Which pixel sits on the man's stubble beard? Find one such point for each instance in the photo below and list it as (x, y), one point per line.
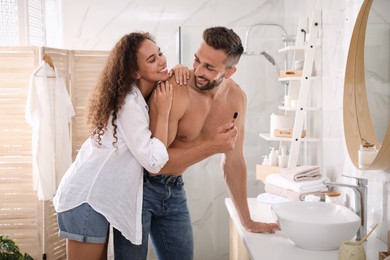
(209, 85)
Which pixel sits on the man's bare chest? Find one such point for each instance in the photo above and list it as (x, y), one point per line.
(200, 124)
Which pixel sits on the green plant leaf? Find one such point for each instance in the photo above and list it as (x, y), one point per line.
(10, 251)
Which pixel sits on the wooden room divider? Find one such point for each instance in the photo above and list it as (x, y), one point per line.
(29, 222)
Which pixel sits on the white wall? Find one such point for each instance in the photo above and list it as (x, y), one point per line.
(98, 24)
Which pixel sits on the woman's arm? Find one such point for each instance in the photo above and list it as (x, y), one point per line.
(161, 101)
(133, 128)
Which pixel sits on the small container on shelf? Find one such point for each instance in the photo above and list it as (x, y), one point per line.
(283, 157)
(366, 154)
(286, 101)
(298, 65)
(273, 157)
(280, 122)
(312, 197)
(332, 197)
(290, 73)
(265, 160)
(287, 133)
(283, 161)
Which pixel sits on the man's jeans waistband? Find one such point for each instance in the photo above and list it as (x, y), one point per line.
(165, 179)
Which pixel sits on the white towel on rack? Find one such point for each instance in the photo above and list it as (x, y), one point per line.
(270, 198)
(302, 173)
(289, 194)
(277, 179)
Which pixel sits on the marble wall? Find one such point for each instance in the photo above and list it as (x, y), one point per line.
(98, 25)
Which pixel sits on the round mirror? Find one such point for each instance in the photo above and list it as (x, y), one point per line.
(377, 66)
(358, 120)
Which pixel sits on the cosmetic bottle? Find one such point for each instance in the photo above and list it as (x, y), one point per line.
(272, 157)
(283, 157)
(265, 160)
(366, 154)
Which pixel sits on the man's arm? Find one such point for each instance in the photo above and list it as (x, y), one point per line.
(181, 158)
(235, 176)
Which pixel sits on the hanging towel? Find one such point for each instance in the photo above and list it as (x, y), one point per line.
(302, 173)
(49, 111)
(299, 187)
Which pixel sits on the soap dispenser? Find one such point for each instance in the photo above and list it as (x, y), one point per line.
(283, 158)
(265, 160)
(272, 157)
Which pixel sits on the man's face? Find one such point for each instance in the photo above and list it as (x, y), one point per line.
(209, 67)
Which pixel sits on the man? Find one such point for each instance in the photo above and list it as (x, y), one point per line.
(210, 100)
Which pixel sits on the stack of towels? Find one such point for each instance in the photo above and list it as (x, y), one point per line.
(294, 184)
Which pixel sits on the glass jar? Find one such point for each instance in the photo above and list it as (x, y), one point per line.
(332, 197)
(366, 154)
(351, 251)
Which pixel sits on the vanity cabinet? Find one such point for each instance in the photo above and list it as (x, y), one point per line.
(245, 245)
(300, 90)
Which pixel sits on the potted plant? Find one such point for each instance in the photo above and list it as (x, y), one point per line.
(10, 251)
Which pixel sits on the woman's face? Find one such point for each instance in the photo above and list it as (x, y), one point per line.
(152, 64)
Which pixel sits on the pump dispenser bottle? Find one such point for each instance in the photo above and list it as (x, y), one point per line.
(272, 157)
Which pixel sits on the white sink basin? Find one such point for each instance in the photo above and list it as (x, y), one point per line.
(316, 225)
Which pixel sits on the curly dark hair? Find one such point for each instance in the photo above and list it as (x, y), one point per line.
(222, 38)
(115, 82)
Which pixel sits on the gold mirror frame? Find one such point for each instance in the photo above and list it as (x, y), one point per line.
(357, 118)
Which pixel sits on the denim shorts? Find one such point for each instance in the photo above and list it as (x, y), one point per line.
(83, 224)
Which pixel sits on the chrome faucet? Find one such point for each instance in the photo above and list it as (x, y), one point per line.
(360, 191)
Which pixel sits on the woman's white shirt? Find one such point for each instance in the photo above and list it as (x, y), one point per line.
(110, 178)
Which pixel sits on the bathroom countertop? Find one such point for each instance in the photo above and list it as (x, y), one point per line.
(277, 246)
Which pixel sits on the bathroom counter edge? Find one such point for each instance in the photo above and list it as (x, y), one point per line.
(277, 246)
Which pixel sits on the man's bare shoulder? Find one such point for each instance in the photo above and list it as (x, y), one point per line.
(235, 89)
(181, 97)
(181, 91)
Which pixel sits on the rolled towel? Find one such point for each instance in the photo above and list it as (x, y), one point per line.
(299, 187)
(302, 173)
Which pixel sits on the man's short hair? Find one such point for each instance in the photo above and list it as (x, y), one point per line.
(222, 38)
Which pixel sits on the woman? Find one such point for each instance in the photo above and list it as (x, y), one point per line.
(104, 185)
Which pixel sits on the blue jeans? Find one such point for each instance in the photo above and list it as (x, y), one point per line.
(165, 216)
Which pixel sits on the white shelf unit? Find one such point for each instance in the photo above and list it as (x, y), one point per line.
(268, 137)
(294, 109)
(307, 42)
(295, 78)
(292, 48)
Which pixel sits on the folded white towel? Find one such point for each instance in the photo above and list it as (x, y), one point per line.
(289, 194)
(270, 198)
(302, 173)
(299, 187)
